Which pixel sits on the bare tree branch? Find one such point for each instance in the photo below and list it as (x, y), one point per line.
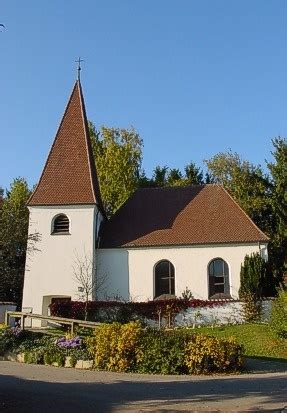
(90, 284)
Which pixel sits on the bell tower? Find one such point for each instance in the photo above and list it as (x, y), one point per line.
(65, 212)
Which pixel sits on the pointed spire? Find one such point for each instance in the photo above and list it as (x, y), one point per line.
(69, 176)
(79, 61)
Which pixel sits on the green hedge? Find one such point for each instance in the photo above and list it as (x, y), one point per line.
(130, 348)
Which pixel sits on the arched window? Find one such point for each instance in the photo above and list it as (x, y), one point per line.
(61, 224)
(164, 278)
(218, 274)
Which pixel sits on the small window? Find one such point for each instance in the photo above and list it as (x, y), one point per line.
(164, 278)
(218, 274)
(61, 225)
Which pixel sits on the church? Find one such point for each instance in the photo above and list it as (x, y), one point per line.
(161, 241)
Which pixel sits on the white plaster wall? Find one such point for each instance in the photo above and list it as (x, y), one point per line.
(191, 268)
(191, 264)
(49, 267)
(113, 264)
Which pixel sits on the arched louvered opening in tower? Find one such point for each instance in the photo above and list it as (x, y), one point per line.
(61, 224)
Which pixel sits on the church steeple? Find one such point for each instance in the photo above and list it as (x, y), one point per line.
(69, 176)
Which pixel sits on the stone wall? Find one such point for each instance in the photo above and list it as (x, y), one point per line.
(227, 313)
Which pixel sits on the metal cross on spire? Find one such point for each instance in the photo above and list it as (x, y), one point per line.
(79, 61)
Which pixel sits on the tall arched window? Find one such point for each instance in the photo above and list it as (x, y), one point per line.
(61, 224)
(164, 278)
(218, 274)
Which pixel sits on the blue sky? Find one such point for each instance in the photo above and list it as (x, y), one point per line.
(193, 77)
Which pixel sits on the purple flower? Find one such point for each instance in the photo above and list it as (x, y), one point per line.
(69, 343)
(16, 331)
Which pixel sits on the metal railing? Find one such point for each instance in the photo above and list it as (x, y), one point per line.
(58, 320)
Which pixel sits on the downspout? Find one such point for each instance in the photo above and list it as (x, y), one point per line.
(96, 258)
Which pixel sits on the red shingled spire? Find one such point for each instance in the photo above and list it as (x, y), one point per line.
(69, 176)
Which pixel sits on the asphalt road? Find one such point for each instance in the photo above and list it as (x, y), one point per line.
(33, 388)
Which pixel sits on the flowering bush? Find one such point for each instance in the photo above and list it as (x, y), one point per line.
(114, 346)
(205, 354)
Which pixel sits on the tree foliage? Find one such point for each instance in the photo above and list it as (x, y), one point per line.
(160, 176)
(193, 174)
(163, 176)
(118, 156)
(278, 200)
(253, 277)
(246, 182)
(14, 218)
(262, 196)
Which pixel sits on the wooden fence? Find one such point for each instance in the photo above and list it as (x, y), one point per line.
(58, 320)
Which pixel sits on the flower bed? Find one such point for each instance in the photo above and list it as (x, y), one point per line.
(127, 348)
(39, 348)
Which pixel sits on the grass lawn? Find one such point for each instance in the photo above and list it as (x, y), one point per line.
(258, 340)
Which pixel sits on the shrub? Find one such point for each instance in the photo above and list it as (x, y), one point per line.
(3, 344)
(34, 357)
(114, 346)
(278, 317)
(251, 308)
(187, 294)
(253, 275)
(254, 283)
(10, 337)
(205, 354)
(161, 352)
(129, 347)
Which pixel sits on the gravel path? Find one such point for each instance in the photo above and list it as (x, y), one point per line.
(33, 388)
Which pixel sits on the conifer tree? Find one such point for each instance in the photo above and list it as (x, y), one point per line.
(278, 186)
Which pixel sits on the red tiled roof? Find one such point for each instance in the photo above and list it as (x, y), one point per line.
(199, 214)
(69, 176)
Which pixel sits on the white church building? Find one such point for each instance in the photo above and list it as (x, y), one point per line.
(161, 241)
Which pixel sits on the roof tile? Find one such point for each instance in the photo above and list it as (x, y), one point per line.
(69, 176)
(199, 214)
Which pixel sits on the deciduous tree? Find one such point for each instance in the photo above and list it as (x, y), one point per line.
(263, 196)
(246, 182)
(118, 156)
(14, 218)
